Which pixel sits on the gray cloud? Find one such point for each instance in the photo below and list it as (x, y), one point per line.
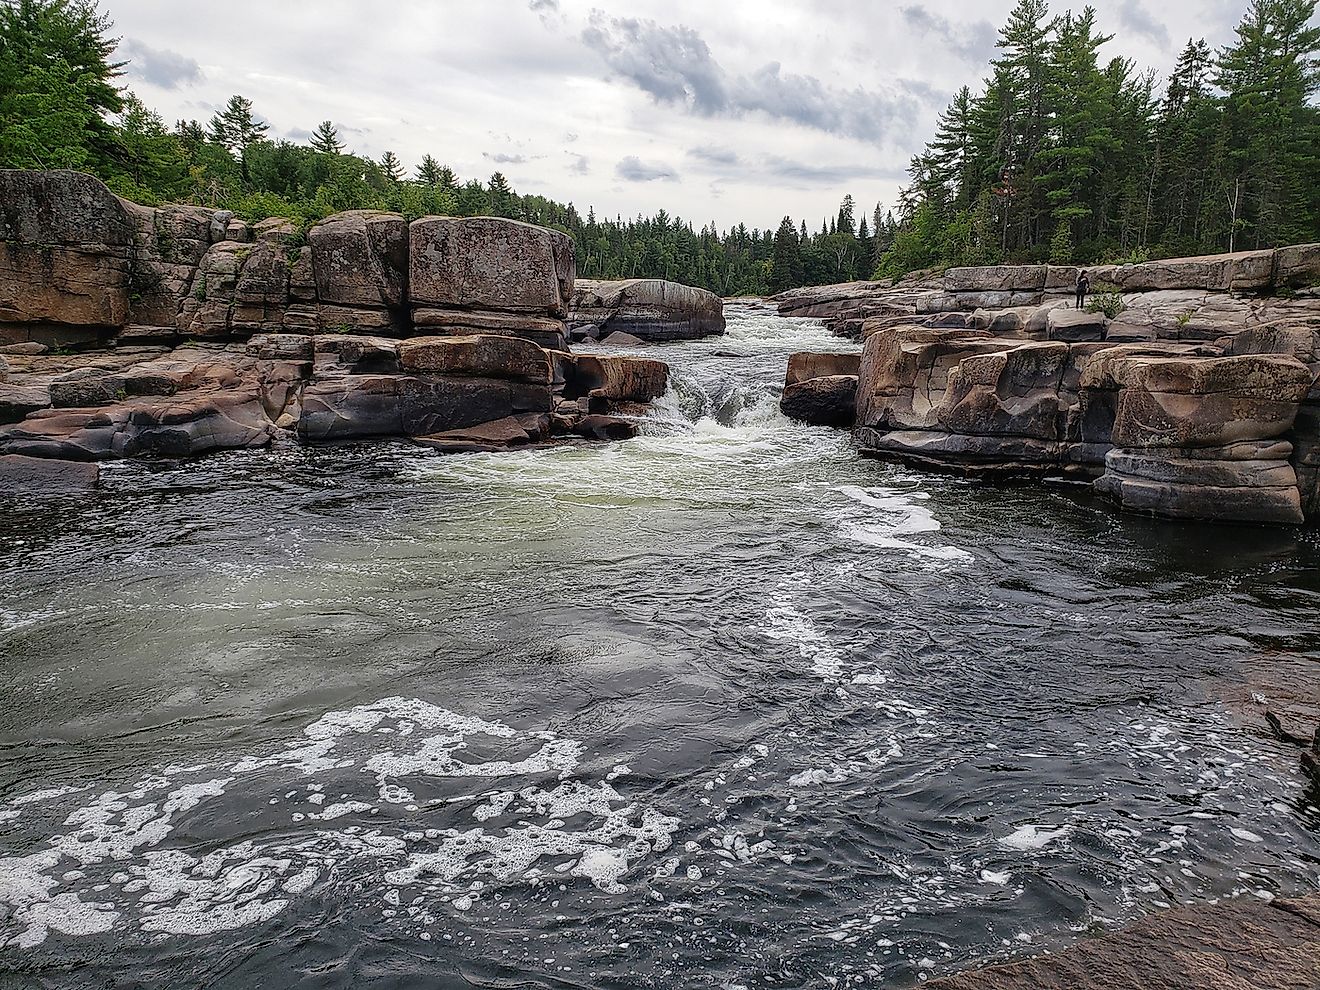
(160, 66)
(713, 155)
(581, 164)
(974, 41)
(790, 170)
(540, 5)
(1136, 19)
(675, 66)
(501, 158)
(633, 169)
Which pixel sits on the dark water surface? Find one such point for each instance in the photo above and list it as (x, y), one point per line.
(721, 707)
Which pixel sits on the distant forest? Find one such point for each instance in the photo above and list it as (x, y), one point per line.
(1057, 157)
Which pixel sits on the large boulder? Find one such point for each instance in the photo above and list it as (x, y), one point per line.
(487, 263)
(540, 330)
(43, 476)
(999, 278)
(649, 309)
(830, 400)
(352, 407)
(807, 365)
(66, 246)
(360, 258)
(614, 378)
(487, 356)
(1074, 325)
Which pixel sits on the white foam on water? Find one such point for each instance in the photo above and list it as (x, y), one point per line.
(1033, 837)
(126, 876)
(898, 516)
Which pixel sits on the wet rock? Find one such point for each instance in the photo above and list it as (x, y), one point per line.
(500, 434)
(826, 401)
(41, 476)
(621, 339)
(66, 245)
(615, 378)
(649, 309)
(601, 427)
(486, 263)
(1234, 945)
(182, 426)
(359, 406)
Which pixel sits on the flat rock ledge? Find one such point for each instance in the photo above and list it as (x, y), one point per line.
(651, 310)
(1242, 945)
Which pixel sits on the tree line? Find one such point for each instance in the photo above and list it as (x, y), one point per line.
(61, 107)
(1064, 157)
(1058, 157)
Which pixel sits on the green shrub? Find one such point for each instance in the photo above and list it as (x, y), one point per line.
(1108, 299)
(199, 290)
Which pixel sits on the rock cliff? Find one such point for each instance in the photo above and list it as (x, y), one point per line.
(132, 331)
(1196, 396)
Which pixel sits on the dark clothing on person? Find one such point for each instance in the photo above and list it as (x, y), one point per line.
(1083, 287)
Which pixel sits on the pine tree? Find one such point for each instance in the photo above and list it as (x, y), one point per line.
(235, 128)
(392, 167)
(501, 197)
(786, 267)
(57, 85)
(325, 139)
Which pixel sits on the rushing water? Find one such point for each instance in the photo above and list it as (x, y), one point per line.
(723, 706)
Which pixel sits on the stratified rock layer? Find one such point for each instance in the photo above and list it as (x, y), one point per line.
(648, 309)
(446, 329)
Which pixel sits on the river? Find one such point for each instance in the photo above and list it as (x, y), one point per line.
(724, 706)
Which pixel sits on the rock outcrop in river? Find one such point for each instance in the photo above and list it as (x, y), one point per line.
(129, 331)
(1197, 397)
(651, 310)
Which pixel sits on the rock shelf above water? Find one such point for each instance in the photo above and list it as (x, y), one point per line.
(131, 331)
(1197, 398)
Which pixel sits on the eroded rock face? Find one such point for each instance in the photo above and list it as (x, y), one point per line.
(360, 258)
(649, 309)
(486, 263)
(830, 400)
(66, 246)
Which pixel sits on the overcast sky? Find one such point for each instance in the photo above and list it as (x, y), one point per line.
(724, 110)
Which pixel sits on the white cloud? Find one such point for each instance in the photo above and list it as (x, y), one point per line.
(738, 111)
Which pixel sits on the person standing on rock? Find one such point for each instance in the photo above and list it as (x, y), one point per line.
(1083, 287)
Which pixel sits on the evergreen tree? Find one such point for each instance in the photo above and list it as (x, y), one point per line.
(57, 85)
(325, 139)
(391, 167)
(236, 128)
(786, 266)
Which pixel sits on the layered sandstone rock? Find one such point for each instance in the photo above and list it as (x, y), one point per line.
(446, 329)
(66, 246)
(648, 309)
